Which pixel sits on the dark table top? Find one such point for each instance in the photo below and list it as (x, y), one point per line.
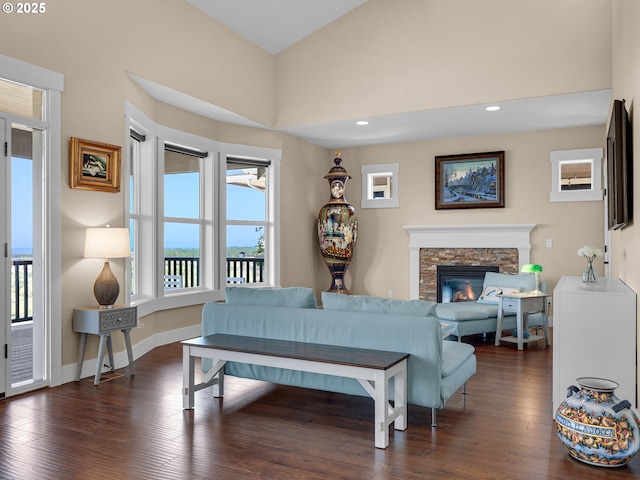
(357, 357)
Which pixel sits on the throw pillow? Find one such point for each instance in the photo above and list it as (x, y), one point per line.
(490, 294)
(292, 297)
(457, 311)
(365, 303)
(524, 282)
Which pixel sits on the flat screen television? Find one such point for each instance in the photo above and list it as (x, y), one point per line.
(619, 168)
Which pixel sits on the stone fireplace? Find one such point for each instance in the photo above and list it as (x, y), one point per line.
(506, 247)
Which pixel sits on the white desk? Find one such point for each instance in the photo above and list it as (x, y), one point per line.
(522, 304)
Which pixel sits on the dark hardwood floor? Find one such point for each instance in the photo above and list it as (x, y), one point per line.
(135, 428)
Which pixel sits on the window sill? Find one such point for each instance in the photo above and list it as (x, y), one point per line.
(177, 300)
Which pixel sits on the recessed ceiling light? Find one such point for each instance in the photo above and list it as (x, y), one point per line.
(362, 122)
(492, 108)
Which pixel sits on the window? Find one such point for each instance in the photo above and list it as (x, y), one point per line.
(135, 140)
(22, 100)
(246, 195)
(184, 214)
(141, 166)
(183, 219)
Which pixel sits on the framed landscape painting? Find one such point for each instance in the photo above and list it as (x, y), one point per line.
(473, 180)
(94, 166)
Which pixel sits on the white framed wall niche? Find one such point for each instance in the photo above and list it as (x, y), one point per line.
(576, 175)
(380, 185)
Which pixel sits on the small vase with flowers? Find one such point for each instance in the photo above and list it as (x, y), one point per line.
(590, 274)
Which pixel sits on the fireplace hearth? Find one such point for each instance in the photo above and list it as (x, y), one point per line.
(461, 283)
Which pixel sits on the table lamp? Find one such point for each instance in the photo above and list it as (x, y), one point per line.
(106, 243)
(535, 269)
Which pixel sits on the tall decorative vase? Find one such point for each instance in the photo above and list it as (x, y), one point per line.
(337, 228)
(595, 426)
(590, 274)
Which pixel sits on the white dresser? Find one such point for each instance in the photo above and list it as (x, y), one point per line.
(594, 335)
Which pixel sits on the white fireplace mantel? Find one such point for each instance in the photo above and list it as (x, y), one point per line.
(464, 236)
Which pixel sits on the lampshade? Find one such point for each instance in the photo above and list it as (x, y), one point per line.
(106, 243)
(535, 269)
(531, 268)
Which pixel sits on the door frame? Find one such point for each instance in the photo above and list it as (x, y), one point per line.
(52, 83)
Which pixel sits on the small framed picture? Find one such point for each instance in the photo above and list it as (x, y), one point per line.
(94, 166)
(473, 180)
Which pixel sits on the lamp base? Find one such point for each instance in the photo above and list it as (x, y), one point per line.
(106, 288)
(537, 291)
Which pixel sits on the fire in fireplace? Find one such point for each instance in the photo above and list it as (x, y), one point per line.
(461, 283)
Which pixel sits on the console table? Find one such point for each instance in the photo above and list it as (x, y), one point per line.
(372, 368)
(594, 335)
(522, 304)
(102, 321)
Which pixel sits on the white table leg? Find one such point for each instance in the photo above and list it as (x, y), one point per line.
(520, 326)
(100, 359)
(218, 385)
(381, 407)
(499, 324)
(545, 324)
(188, 373)
(83, 347)
(110, 352)
(400, 397)
(127, 341)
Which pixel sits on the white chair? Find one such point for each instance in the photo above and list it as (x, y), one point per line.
(236, 280)
(172, 281)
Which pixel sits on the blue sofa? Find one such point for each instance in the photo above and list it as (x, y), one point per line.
(472, 318)
(436, 368)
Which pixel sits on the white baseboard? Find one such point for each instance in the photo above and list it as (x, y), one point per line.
(120, 359)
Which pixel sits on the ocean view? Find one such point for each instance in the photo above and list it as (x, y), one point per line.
(169, 252)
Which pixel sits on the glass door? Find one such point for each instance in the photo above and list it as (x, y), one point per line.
(22, 282)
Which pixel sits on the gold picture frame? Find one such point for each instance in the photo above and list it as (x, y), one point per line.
(94, 166)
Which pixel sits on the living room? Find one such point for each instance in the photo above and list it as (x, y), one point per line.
(376, 60)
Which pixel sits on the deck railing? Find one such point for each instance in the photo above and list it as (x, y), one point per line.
(245, 269)
(238, 269)
(188, 268)
(21, 305)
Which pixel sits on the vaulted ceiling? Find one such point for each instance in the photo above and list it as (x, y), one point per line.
(274, 25)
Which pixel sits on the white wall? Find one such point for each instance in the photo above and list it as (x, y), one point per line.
(401, 56)
(381, 262)
(383, 57)
(626, 84)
